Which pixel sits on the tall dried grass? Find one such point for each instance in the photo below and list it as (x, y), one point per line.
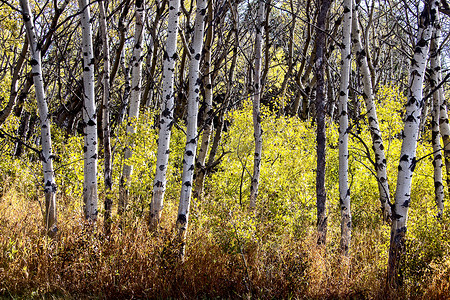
(132, 263)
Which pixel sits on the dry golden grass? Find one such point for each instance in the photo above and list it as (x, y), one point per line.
(132, 263)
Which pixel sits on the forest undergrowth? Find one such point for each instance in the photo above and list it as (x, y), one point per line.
(232, 251)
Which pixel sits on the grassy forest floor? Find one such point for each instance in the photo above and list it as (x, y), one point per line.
(131, 263)
(232, 252)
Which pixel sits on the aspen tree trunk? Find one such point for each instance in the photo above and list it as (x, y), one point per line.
(435, 79)
(408, 152)
(191, 133)
(126, 90)
(166, 117)
(121, 32)
(256, 105)
(208, 119)
(321, 125)
(444, 128)
(133, 114)
(89, 116)
(153, 51)
(344, 190)
(43, 45)
(105, 122)
(377, 141)
(50, 217)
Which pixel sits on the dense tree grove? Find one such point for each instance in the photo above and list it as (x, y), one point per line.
(296, 138)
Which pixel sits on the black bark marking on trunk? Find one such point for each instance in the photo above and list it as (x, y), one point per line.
(413, 164)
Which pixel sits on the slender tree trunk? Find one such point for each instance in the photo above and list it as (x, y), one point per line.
(290, 62)
(228, 94)
(256, 105)
(332, 103)
(321, 36)
(191, 134)
(344, 190)
(208, 115)
(153, 51)
(22, 132)
(166, 118)
(444, 128)
(302, 97)
(89, 116)
(43, 45)
(106, 127)
(377, 140)
(227, 98)
(133, 114)
(50, 217)
(126, 91)
(435, 79)
(408, 152)
(4, 114)
(121, 31)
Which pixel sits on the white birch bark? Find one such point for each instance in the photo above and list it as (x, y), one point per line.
(208, 119)
(50, 217)
(256, 105)
(135, 101)
(410, 134)
(90, 196)
(166, 117)
(195, 81)
(377, 140)
(344, 190)
(435, 79)
(105, 117)
(444, 128)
